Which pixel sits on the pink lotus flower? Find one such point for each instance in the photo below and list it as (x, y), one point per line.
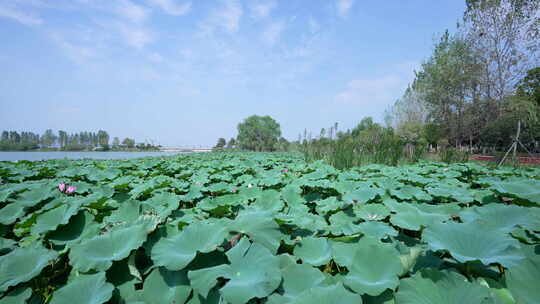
(285, 170)
(71, 189)
(233, 190)
(61, 187)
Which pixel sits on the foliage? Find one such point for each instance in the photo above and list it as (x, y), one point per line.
(269, 228)
(258, 133)
(452, 155)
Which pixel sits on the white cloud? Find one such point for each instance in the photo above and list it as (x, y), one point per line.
(370, 91)
(260, 10)
(80, 50)
(131, 11)
(18, 15)
(171, 7)
(343, 7)
(227, 17)
(272, 33)
(135, 36)
(378, 93)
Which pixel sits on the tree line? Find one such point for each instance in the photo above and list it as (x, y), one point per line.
(479, 82)
(79, 141)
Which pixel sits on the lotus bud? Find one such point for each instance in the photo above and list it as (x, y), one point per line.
(61, 187)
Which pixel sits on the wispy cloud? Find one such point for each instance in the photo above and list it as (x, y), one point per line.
(226, 17)
(343, 7)
(272, 33)
(378, 92)
(262, 9)
(171, 7)
(136, 37)
(131, 11)
(19, 15)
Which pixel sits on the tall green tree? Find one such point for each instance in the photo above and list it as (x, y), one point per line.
(48, 138)
(258, 133)
(220, 143)
(103, 137)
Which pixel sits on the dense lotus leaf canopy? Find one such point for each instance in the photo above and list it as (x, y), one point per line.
(23, 264)
(176, 252)
(522, 188)
(314, 251)
(99, 252)
(474, 241)
(504, 217)
(373, 266)
(522, 279)
(231, 228)
(254, 272)
(430, 286)
(327, 295)
(164, 286)
(260, 227)
(84, 289)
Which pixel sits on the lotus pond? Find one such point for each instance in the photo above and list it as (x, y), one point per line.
(266, 228)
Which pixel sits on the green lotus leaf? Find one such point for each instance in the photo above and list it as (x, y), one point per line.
(6, 245)
(84, 289)
(451, 192)
(343, 223)
(269, 200)
(526, 189)
(81, 226)
(35, 196)
(522, 279)
(377, 230)
(291, 195)
(409, 192)
(373, 266)
(328, 295)
(214, 297)
(362, 195)
(17, 296)
(23, 264)
(504, 217)
(371, 212)
(99, 252)
(430, 286)
(254, 273)
(314, 251)
(298, 278)
(128, 212)
(473, 241)
(203, 280)
(260, 227)
(164, 286)
(329, 204)
(176, 252)
(51, 219)
(11, 213)
(411, 217)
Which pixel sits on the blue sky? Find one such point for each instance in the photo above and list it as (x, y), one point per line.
(183, 73)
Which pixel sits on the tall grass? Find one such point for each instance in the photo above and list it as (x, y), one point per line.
(380, 146)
